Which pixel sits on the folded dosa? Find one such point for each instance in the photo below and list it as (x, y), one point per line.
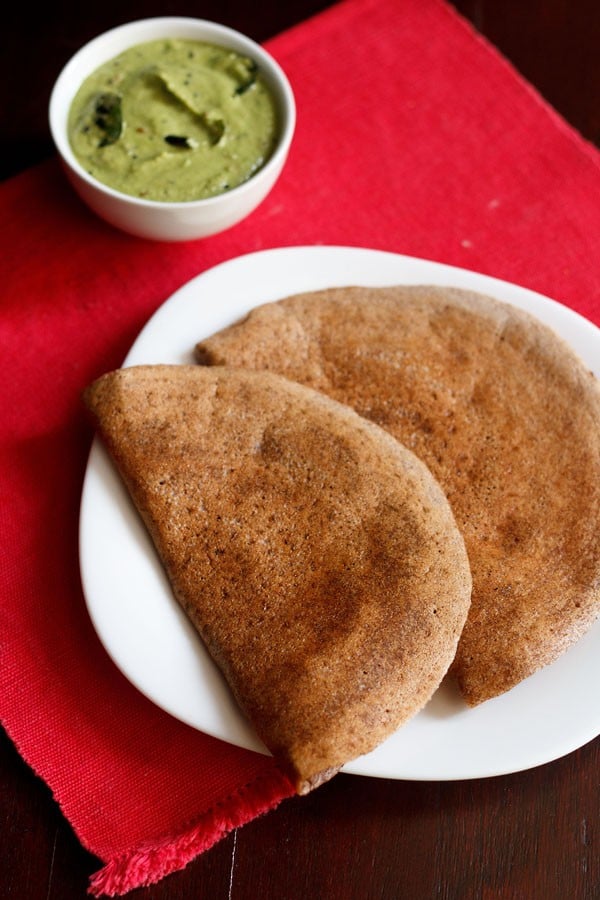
(318, 558)
(504, 414)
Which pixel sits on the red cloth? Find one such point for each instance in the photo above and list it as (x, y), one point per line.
(413, 136)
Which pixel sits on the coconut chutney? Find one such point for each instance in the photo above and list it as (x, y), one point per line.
(174, 120)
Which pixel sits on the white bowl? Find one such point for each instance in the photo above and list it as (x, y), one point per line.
(157, 220)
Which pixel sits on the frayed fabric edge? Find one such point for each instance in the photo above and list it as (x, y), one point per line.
(147, 865)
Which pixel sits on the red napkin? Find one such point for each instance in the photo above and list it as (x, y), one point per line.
(414, 136)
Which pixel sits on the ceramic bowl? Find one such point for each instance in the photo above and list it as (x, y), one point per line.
(158, 220)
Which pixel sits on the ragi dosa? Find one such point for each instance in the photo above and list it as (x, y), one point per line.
(318, 558)
(504, 414)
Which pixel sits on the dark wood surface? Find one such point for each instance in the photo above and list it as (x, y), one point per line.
(528, 836)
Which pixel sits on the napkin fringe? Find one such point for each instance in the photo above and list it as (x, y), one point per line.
(148, 864)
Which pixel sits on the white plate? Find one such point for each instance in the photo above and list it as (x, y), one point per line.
(150, 639)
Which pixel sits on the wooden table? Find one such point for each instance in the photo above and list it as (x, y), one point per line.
(528, 836)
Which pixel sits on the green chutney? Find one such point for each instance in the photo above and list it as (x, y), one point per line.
(174, 120)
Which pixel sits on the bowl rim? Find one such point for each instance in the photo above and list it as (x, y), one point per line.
(66, 85)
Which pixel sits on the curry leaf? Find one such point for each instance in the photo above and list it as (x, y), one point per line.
(108, 117)
(178, 140)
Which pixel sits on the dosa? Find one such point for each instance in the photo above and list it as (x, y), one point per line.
(318, 558)
(503, 413)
